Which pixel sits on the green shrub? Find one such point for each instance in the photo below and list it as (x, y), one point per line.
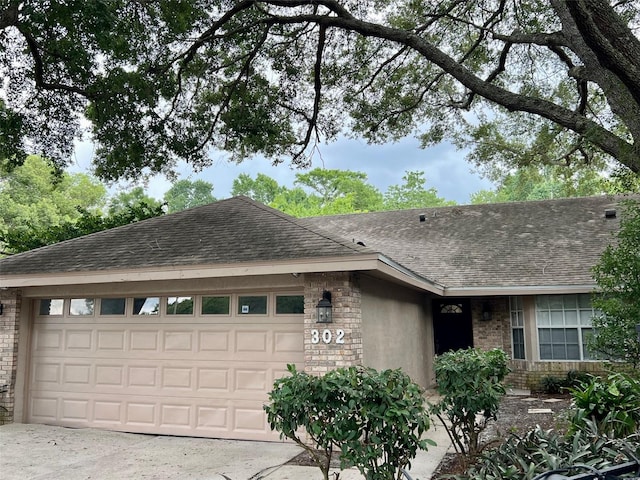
(612, 403)
(553, 385)
(470, 382)
(374, 420)
(576, 377)
(524, 457)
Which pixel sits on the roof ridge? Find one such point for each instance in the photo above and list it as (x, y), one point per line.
(299, 222)
(618, 197)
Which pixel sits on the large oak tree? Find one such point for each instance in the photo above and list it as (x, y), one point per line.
(162, 80)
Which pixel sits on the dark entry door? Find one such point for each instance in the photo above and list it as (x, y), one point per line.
(452, 328)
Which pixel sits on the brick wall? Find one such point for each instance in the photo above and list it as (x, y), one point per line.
(494, 333)
(11, 301)
(529, 375)
(322, 356)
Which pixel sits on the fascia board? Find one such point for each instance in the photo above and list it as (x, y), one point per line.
(518, 290)
(315, 265)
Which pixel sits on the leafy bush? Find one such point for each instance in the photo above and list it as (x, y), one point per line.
(577, 377)
(538, 451)
(375, 420)
(470, 382)
(613, 404)
(600, 435)
(618, 297)
(552, 385)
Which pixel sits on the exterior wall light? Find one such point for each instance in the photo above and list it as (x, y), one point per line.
(486, 312)
(1, 308)
(324, 309)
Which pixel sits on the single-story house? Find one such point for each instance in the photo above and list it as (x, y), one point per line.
(180, 324)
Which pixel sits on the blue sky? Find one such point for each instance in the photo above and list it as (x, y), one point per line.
(444, 167)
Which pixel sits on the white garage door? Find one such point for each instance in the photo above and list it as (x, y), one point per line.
(161, 365)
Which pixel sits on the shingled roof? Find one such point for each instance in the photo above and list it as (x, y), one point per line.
(549, 243)
(541, 243)
(236, 230)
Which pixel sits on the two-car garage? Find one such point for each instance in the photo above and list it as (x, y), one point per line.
(198, 365)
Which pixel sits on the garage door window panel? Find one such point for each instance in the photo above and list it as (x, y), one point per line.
(82, 307)
(179, 305)
(289, 304)
(51, 306)
(113, 306)
(216, 305)
(146, 306)
(252, 305)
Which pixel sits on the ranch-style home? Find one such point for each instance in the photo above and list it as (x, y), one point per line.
(181, 323)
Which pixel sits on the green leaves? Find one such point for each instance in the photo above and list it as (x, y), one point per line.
(170, 80)
(618, 298)
(609, 406)
(374, 419)
(470, 382)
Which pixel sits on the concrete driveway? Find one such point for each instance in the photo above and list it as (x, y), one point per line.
(43, 452)
(39, 452)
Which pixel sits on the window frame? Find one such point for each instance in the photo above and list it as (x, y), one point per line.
(516, 306)
(280, 295)
(575, 317)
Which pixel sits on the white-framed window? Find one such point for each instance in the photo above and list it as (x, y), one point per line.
(564, 324)
(516, 313)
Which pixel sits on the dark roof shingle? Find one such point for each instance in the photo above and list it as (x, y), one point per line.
(542, 243)
(235, 230)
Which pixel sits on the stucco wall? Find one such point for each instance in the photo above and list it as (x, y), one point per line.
(396, 329)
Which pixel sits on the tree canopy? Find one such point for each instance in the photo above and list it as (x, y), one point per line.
(332, 192)
(34, 196)
(185, 194)
(618, 297)
(519, 82)
(40, 206)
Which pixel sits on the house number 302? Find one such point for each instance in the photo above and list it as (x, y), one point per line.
(327, 336)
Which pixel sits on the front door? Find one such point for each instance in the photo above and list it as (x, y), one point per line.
(452, 325)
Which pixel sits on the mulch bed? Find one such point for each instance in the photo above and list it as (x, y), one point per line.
(517, 415)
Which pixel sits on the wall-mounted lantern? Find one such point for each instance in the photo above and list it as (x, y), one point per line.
(324, 309)
(1, 308)
(486, 312)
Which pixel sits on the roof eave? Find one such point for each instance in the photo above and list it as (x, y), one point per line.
(516, 290)
(369, 261)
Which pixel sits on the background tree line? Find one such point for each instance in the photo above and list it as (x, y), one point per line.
(40, 206)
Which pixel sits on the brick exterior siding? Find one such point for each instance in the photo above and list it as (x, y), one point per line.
(494, 333)
(11, 302)
(346, 299)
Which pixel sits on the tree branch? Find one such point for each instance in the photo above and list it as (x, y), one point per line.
(244, 71)
(555, 39)
(317, 87)
(619, 148)
(39, 69)
(613, 43)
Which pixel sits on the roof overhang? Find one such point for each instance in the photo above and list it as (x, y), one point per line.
(371, 262)
(366, 262)
(492, 291)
